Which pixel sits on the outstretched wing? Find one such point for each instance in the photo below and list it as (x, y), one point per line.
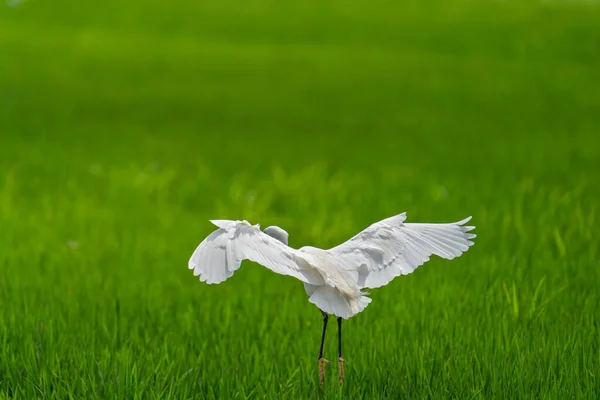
(390, 248)
(223, 251)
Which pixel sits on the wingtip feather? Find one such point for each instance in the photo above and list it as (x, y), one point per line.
(222, 223)
(464, 221)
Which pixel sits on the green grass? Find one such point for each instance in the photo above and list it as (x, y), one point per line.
(124, 127)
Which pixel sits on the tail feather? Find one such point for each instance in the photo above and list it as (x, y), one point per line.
(333, 302)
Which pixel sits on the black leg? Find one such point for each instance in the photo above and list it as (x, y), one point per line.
(341, 361)
(339, 337)
(322, 361)
(325, 318)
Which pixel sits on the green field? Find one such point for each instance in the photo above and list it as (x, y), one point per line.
(126, 126)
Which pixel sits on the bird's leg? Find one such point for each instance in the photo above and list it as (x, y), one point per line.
(341, 361)
(322, 361)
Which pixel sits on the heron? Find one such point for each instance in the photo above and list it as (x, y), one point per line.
(336, 280)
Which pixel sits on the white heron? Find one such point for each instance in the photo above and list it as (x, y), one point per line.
(334, 279)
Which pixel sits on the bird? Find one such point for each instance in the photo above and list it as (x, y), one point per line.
(336, 280)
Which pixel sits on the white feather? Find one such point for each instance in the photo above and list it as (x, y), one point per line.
(223, 251)
(391, 248)
(332, 278)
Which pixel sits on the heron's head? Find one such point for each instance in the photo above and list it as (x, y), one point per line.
(277, 233)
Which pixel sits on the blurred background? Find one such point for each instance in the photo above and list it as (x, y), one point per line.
(125, 126)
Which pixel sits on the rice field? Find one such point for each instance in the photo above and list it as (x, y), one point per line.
(125, 127)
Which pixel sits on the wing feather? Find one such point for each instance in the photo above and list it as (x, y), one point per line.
(390, 248)
(222, 252)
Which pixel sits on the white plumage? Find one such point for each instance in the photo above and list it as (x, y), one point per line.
(334, 279)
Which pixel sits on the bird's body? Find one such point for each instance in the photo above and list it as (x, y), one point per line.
(338, 293)
(334, 279)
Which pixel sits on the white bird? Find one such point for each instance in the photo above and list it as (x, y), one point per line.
(334, 279)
